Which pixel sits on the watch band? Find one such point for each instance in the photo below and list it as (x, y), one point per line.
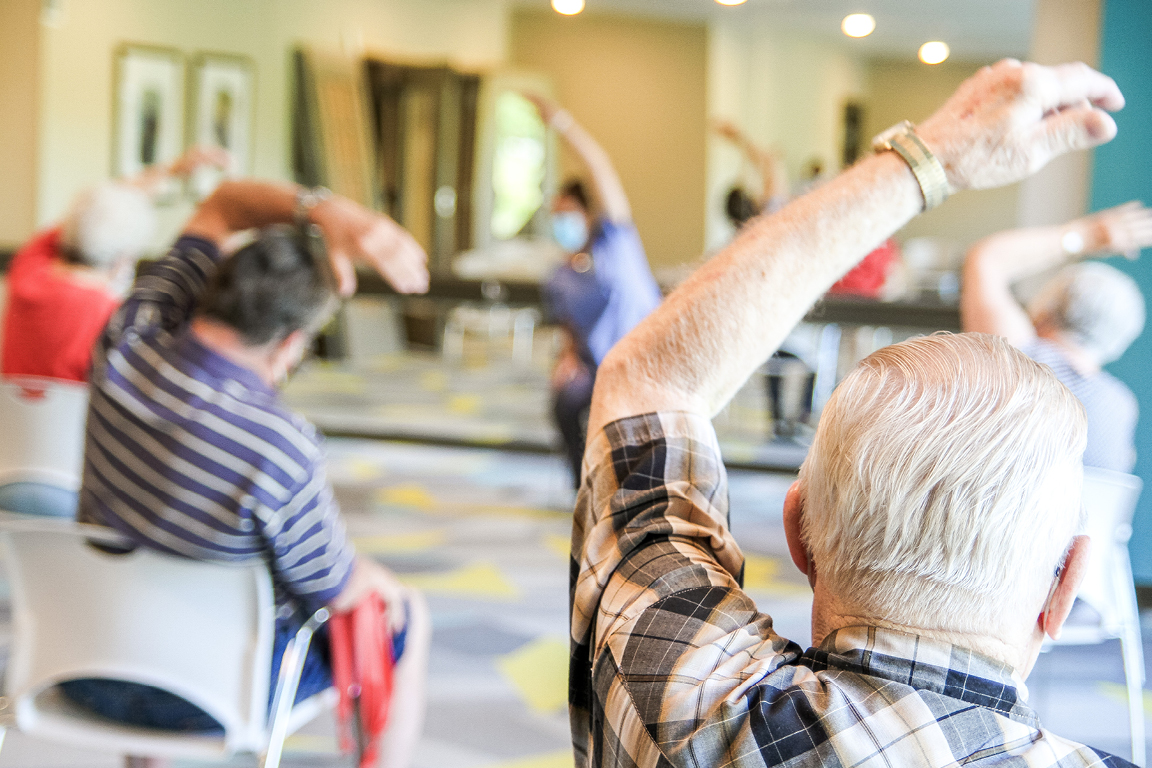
(308, 198)
(929, 173)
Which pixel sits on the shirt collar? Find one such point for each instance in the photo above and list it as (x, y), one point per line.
(926, 664)
(218, 366)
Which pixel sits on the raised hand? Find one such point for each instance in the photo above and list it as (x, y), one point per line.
(355, 234)
(1124, 229)
(1007, 121)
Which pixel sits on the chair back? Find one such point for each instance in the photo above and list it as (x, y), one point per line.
(1109, 500)
(202, 631)
(43, 431)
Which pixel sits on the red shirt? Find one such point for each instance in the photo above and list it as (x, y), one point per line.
(51, 320)
(868, 277)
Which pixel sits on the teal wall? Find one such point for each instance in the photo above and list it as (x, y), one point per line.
(1122, 172)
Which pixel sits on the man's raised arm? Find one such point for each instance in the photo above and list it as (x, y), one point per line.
(699, 347)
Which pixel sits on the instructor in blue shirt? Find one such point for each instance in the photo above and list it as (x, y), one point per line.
(602, 290)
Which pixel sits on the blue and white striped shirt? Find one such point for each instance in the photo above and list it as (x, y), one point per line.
(192, 454)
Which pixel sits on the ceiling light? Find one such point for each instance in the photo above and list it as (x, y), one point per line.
(934, 52)
(568, 7)
(731, 2)
(858, 25)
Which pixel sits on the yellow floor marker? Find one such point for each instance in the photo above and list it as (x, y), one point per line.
(561, 545)
(480, 580)
(407, 495)
(1119, 692)
(403, 542)
(760, 575)
(561, 759)
(539, 670)
(465, 404)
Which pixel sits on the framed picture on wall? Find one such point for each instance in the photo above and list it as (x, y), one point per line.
(148, 112)
(221, 108)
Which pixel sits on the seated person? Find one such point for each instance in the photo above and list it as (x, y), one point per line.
(1082, 319)
(190, 451)
(66, 282)
(935, 516)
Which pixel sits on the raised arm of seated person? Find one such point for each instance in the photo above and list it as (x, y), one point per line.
(668, 651)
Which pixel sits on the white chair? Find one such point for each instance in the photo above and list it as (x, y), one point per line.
(203, 631)
(41, 444)
(1109, 500)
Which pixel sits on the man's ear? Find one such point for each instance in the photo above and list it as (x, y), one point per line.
(1067, 585)
(793, 532)
(287, 353)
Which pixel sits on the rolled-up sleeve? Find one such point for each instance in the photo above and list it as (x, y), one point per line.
(663, 639)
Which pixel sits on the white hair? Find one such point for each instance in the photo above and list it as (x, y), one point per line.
(107, 222)
(1097, 307)
(943, 486)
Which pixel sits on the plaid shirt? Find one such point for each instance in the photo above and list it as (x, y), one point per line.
(672, 665)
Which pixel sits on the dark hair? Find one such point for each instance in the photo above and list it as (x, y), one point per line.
(278, 284)
(740, 207)
(575, 189)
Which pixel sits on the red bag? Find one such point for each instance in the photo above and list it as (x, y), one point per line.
(362, 663)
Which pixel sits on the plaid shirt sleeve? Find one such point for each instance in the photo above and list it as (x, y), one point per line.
(666, 646)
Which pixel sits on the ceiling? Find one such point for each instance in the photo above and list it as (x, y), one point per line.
(976, 30)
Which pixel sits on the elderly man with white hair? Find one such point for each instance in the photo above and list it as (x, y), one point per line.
(935, 516)
(65, 283)
(1082, 319)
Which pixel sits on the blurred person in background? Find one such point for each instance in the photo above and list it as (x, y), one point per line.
(1082, 319)
(68, 280)
(605, 286)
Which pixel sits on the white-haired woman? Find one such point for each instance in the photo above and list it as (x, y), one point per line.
(65, 283)
(1082, 319)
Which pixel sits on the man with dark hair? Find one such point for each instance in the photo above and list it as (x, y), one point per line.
(189, 450)
(603, 289)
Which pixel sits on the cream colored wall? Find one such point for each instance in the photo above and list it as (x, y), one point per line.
(909, 90)
(1062, 30)
(19, 43)
(76, 65)
(639, 86)
(785, 91)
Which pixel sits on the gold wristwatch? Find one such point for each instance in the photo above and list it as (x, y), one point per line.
(902, 139)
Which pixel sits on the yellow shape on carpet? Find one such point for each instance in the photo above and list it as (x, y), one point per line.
(760, 576)
(466, 405)
(561, 545)
(407, 495)
(481, 580)
(433, 381)
(539, 670)
(563, 759)
(403, 542)
(1118, 692)
(361, 470)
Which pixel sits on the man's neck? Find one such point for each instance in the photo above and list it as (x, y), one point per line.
(828, 615)
(227, 343)
(1082, 362)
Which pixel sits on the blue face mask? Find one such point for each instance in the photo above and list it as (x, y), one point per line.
(570, 230)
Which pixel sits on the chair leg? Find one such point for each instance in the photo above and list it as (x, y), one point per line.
(1134, 676)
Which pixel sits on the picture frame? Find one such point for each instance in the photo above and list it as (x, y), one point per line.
(222, 108)
(148, 113)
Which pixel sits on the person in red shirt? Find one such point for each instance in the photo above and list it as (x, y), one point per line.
(66, 282)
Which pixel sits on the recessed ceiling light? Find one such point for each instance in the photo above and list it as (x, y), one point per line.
(858, 25)
(934, 52)
(568, 7)
(731, 2)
